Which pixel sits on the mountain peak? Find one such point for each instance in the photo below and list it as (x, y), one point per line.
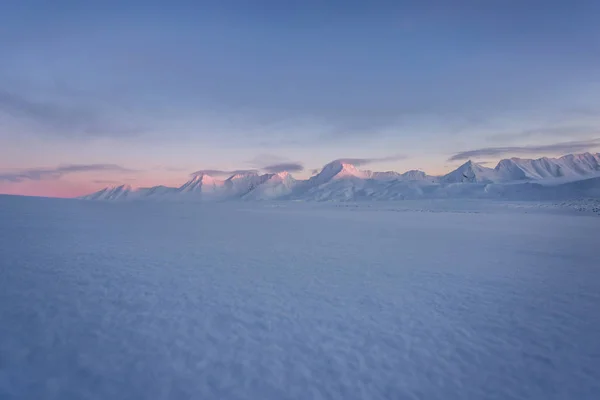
(117, 192)
(120, 187)
(242, 175)
(415, 175)
(472, 164)
(204, 178)
(470, 172)
(283, 174)
(199, 183)
(338, 169)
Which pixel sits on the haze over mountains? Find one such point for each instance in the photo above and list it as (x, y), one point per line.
(514, 178)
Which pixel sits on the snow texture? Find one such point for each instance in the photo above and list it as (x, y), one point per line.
(512, 179)
(432, 299)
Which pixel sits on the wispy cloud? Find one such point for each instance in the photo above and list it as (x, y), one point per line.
(561, 131)
(106, 181)
(364, 161)
(260, 160)
(273, 163)
(370, 124)
(220, 172)
(274, 168)
(37, 174)
(289, 167)
(169, 168)
(61, 119)
(556, 148)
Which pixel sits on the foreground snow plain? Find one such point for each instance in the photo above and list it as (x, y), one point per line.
(400, 300)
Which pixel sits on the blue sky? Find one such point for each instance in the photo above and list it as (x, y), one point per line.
(157, 90)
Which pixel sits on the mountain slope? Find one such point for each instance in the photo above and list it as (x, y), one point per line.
(110, 193)
(155, 191)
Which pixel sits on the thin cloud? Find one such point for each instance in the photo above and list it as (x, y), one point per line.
(38, 174)
(364, 161)
(361, 121)
(168, 168)
(220, 172)
(63, 120)
(289, 167)
(261, 160)
(556, 148)
(560, 131)
(113, 182)
(273, 163)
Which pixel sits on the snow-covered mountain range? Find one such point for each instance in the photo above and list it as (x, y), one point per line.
(573, 175)
(571, 166)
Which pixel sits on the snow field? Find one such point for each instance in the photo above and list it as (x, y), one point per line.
(296, 301)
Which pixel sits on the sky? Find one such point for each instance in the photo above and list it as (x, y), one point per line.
(94, 94)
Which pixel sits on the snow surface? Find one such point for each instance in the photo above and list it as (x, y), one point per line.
(435, 299)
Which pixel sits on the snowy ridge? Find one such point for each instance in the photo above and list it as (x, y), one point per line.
(111, 193)
(239, 185)
(573, 166)
(416, 175)
(201, 183)
(273, 187)
(570, 176)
